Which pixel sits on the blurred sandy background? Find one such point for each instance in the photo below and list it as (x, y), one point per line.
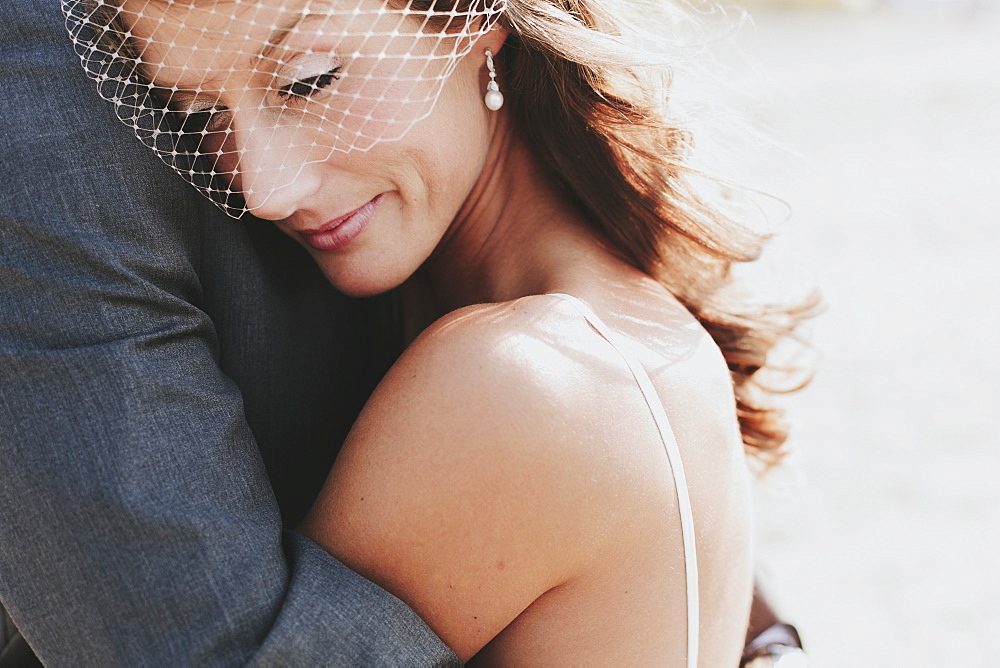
(880, 542)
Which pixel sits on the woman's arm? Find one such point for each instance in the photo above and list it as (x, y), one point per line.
(462, 488)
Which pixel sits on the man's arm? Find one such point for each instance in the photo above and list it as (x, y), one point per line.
(137, 522)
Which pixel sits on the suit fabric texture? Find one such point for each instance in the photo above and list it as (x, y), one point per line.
(173, 386)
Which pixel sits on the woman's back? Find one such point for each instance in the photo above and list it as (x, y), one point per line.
(523, 497)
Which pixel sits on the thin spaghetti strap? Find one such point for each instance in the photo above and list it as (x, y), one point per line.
(676, 466)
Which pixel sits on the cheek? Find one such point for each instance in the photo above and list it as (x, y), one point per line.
(430, 173)
(363, 113)
(452, 148)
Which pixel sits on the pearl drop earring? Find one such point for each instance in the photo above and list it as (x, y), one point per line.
(494, 98)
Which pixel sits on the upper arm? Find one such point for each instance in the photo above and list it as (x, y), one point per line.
(460, 489)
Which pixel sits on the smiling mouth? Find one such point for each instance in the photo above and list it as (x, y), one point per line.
(340, 232)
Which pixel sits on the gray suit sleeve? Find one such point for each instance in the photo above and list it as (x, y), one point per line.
(137, 522)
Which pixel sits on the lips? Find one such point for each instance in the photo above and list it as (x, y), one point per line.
(340, 232)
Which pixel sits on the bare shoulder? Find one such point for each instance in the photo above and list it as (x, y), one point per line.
(468, 484)
(508, 453)
(508, 374)
(486, 347)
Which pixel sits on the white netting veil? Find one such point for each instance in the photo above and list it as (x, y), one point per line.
(238, 95)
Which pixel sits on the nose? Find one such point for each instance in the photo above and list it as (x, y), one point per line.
(272, 167)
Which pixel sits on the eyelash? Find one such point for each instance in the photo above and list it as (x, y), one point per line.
(195, 122)
(297, 91)
(306, 88)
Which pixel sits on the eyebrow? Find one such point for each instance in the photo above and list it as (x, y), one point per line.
(273, 42)
(308, 8)
(281, 32)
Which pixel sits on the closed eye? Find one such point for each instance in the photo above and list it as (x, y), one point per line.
(212, 119)
(305, 88)
(188, 114)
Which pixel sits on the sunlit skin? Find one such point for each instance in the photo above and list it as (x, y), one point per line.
(506, 479)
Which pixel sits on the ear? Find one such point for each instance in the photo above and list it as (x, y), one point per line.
(492, 41)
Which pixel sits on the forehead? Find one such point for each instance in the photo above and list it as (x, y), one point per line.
(176, 21)
(187, 21)
(175, 37)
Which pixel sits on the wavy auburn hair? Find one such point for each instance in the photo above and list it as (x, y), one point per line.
(589, 91)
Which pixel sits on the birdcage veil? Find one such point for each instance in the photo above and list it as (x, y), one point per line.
(237, 96)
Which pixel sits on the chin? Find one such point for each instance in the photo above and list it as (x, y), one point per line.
(365, 284)
(363, 290)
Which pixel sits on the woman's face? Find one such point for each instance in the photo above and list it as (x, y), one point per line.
(323, 115)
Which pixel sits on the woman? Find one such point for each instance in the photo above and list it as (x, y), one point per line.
(554, 469)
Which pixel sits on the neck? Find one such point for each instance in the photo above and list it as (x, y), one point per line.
(515, 235)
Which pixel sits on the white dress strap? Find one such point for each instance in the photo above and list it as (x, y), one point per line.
(676, 466)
